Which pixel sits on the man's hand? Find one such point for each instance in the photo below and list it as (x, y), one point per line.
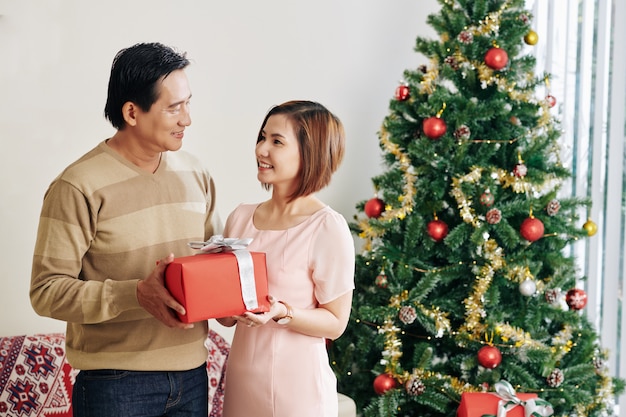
(157, 300)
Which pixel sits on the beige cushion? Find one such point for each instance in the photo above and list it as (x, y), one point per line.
(347, 406)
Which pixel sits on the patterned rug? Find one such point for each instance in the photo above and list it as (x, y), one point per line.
(35, 379)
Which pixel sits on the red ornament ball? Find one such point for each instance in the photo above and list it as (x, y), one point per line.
(383, 383)
(489, 356)
(551, 100)
(437, 229)
(374, 207)
(381, 281)
(402, 92)
(487, 199)
(520, 170)
(576, 299)
(496, 58)
(532, 229)
(434, 127)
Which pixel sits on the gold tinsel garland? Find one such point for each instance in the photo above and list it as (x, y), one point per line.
(429, 79)
(392, 351)
(406, 201)
(474, 308)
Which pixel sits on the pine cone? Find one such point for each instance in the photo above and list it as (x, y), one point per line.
(552, 296)
(493, 216)
(465, 37)
(414, 386)
(407, 314)
(462, 132)
(555, 378)
(553, 207)
(598, 363)
(451, 60)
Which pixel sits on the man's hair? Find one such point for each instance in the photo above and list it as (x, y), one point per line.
(134, 75)
(321, 138)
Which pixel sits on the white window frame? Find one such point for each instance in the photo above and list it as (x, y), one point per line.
(582, 44)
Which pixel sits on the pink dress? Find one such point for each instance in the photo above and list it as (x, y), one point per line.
(271, 370)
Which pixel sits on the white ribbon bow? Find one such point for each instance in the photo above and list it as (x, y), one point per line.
(533, 407)
(216, 244)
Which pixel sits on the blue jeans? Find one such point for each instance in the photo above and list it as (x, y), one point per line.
(116, 393)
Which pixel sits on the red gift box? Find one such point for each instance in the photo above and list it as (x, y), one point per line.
(210, 286)
(477, 404)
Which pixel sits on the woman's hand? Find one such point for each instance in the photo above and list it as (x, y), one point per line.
(258, 319)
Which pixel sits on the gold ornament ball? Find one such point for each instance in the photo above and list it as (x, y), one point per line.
(590, 227)
(531, 38)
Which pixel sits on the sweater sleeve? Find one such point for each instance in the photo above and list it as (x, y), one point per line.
(213, 224)
(66, 230)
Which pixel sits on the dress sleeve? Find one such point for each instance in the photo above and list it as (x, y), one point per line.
(332, 258)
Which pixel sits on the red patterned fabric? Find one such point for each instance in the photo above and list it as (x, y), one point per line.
(216, 367)
(36, 380)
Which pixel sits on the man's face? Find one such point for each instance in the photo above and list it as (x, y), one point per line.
(162, 127)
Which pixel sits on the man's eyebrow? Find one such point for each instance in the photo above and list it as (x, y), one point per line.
(180, 102)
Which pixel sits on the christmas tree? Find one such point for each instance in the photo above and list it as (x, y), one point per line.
(466, 277)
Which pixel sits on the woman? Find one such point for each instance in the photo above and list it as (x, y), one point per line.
(278, 365)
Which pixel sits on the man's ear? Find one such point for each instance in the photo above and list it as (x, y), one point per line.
(129, 112)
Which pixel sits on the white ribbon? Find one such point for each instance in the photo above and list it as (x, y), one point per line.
(216, 244)
(246, 278)
(533, 407)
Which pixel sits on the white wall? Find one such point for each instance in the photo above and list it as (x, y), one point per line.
(247, 55)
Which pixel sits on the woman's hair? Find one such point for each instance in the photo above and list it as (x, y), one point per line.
(321, 139)
(134, 75)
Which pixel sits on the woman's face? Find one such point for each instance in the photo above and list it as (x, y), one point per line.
(278, 153)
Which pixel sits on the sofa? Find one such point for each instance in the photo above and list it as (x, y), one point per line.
(36, 380)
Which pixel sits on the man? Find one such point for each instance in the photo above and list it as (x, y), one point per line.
(107, 219)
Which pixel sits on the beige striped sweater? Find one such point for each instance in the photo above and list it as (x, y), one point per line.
(104, 224)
